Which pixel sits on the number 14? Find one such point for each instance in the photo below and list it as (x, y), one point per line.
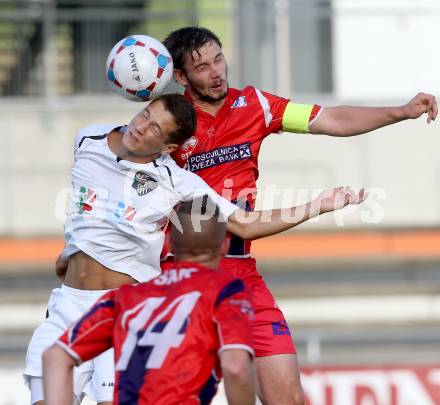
(169, 337)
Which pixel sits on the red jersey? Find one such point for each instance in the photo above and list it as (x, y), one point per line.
(167, 334)
(224, 149)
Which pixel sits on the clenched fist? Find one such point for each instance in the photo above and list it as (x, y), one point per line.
(421, 104)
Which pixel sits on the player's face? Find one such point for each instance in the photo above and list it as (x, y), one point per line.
(205, 73)
(148, 132)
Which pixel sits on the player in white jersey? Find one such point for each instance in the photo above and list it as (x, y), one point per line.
(125, 186)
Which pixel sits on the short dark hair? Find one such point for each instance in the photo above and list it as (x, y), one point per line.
(184, 41)
(184, 116)
(201, 230)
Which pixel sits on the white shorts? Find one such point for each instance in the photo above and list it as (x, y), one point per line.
(66, 305)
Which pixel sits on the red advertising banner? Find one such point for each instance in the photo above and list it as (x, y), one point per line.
(384, 385)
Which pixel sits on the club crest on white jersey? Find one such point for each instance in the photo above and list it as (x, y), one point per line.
(143, 183)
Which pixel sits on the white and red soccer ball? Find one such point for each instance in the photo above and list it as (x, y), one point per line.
(139, 67)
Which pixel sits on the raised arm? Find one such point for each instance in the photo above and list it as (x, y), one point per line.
(258, 224)
(350, 121)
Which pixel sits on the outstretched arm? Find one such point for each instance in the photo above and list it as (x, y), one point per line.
(350, 121)
(258, 224)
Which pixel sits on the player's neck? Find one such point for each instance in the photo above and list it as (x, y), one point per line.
(206, 260)
(139, 159)
(116, 146)
(211, 107)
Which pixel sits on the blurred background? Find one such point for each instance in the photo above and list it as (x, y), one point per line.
(360, 289)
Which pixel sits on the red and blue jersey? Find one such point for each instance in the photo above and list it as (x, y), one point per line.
(167, 334)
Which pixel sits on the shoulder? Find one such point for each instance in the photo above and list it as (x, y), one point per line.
(252, 96)
(220, 282)
(167, 160)
(228, 287)
(252, 92)
(179, 175)
(175, 172)
(93, 131)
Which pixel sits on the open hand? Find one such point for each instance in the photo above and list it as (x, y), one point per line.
(337, 198)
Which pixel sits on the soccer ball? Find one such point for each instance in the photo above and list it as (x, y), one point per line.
(139, 67)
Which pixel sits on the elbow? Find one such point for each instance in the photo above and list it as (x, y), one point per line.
(248, 233)
(236, 373)
(237, 369)
(50, 355)
(241, 230)
(56, 356)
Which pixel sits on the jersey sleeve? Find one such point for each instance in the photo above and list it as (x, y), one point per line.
(92, 131)
(190, 186)
(280, 114)
(232, 314)
(299, 117)
(273, 108)
(92, 334)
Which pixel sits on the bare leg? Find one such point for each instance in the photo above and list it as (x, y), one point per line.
(279, 380)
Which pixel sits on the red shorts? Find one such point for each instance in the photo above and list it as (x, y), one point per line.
(270, 331)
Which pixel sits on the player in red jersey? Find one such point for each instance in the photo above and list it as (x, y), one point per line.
(173, 336)
(224, 152)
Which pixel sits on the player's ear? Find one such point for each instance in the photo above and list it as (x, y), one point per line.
(180, 77)
(169, 148)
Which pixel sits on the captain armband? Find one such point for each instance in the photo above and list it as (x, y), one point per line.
(299, 117)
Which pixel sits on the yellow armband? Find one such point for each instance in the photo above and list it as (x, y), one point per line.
(296, 117)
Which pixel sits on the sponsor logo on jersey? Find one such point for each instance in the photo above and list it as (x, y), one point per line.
(211, 131)
(123, 214)
(218, 156)
(239, 102)
(143, 183)
(87, 197)
(190, 143)
(280, 328)
(245, 307)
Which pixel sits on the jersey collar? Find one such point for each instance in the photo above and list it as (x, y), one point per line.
(185, 264)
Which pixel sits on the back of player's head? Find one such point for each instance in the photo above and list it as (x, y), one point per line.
(184, 41)
(184, 116)
(196, 228)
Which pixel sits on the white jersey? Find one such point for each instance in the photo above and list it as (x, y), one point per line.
(119, 208)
